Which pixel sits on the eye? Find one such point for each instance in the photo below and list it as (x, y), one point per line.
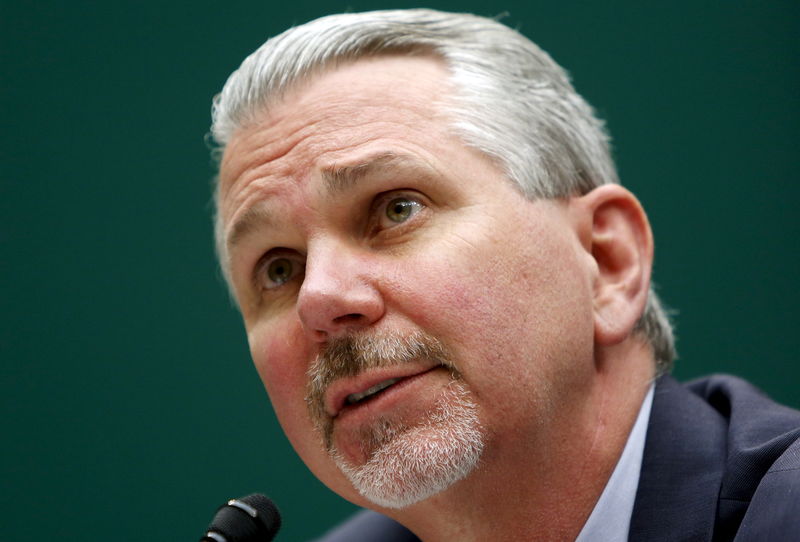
(278, 270)
(398, 210)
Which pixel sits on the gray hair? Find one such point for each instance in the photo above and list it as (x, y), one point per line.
(512, 102)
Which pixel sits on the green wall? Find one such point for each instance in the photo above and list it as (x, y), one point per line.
(130, 408)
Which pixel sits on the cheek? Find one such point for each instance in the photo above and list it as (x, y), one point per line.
(273, 349)
(462, 295)
(281, 359)
(502, 302)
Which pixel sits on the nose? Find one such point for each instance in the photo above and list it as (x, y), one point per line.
(338, 295)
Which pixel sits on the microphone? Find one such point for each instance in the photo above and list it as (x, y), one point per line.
(250, 519)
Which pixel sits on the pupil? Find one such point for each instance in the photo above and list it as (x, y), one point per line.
(399, 209)
(280, 270)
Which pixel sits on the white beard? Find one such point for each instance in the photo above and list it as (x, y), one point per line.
(410, 464)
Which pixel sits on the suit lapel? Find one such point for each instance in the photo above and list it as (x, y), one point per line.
(682, 468)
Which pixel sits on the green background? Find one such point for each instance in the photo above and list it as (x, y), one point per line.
(130, 408)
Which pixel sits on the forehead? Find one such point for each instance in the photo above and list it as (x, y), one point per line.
(331, 118)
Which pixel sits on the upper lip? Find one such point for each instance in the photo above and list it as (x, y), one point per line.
(336, 395)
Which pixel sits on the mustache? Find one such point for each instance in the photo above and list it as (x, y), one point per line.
(351, 355)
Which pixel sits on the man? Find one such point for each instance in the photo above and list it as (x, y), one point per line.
(447, 297)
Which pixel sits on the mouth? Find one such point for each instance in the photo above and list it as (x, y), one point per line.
(358, 397)
(354, 392)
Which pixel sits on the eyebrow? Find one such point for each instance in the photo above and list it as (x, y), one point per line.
(251, 219)
(337, 179)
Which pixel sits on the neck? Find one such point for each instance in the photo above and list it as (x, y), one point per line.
(544, 486)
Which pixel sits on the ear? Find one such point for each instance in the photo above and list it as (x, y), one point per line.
(614, 230)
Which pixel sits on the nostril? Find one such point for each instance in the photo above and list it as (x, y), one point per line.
(348, 318)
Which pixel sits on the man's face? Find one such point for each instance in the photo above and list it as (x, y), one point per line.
(354, 214)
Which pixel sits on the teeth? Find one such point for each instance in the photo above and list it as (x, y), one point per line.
(356, 397)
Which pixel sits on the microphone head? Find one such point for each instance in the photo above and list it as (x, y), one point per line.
(250, 519)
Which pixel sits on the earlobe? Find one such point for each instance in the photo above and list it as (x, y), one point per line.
(620, 241)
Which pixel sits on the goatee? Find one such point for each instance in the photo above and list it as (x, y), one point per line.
(405, 463)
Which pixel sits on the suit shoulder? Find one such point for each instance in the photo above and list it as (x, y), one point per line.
(774, 511)
(369, 526)
(759, 497)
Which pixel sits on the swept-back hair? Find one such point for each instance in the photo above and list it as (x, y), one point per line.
(511, 101)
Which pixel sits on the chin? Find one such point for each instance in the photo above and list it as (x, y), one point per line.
(406, 465)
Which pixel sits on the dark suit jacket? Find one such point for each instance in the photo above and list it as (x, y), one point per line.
(721, 462)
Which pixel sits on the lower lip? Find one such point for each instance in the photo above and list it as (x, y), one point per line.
(383, 401)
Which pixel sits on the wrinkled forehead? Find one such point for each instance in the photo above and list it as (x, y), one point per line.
(368, 91)
(277, 93)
